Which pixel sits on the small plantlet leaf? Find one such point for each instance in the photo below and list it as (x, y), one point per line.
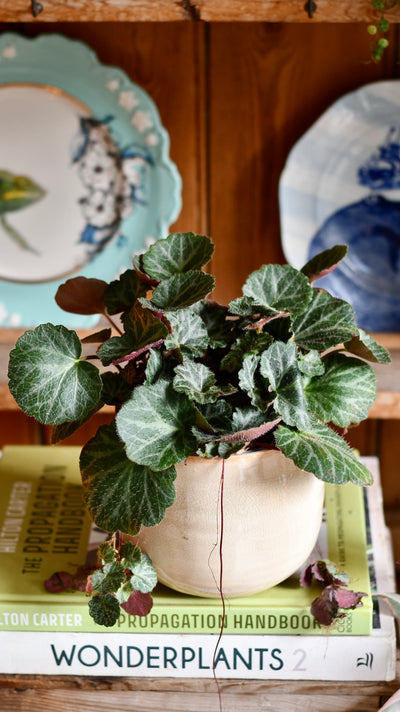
(47, 378)
(179, 252)
(109, 578)
(138, 604)
(144, 576)
(82, 295)
(198, 382)
(105, 610)
(60, 581)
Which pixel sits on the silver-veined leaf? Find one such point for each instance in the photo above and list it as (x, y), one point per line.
(119, 493)
(179, 252)
(327, 322)
(344, 393)
(47, 378)
(155, 425)
(279, 288)
(279, 365)
(324, 453)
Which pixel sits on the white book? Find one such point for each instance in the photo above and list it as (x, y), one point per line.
(287, 657)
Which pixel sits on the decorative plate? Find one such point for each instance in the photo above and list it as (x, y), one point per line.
(341, 185)
(85, 177)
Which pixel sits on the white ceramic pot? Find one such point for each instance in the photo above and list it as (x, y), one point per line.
(271, 518)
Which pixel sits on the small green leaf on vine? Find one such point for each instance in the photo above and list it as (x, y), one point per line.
(380, 28)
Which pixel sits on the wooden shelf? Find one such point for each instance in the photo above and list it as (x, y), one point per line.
(188, 10)
(70, 693)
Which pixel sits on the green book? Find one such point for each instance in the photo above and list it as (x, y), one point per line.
(44, 528)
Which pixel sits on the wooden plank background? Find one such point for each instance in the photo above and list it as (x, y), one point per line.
(234, 98)
(190, 10)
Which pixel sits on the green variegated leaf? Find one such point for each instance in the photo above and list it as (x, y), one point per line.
(279, 288)
(248, 380)
(250, 342)
(198, 382)
(188, 332)
(64, 430)
(104, 610)
(47, 378)
(144, 576)
(179, 252)
(364, 346)
(153, 366)
(155, 426)
(119, 493)
(180, 291)
(311, 364)
(344, 393)
(122, 293)
(115, 388)
(142, 330)
(327, 322)
(217, 415)
(247, 417)
(280, 366)
(109, 578)
(213, 316)
(324, 453)
(245, 306)
(325, 262)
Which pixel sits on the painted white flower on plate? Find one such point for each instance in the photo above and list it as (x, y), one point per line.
(151, 139)
(98, 169)
(100, 208)
(141, 120)
(112, 85)
(128, 100)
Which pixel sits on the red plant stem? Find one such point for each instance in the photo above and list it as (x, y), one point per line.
(139, 352)
(221, 538)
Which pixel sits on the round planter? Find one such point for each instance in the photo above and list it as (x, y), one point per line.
(271, 518)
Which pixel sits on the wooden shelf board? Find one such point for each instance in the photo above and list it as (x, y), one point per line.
(189, 10)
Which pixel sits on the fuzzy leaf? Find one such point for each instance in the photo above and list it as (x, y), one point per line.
(122, 293)
(327, 322)
(138, 604)
(153, 366)
(279, 365)
(60, 581)
(130, 555)
(65, 430)
(344, 393)
(247, 417)
(248, 379)
(105, 610)
(82, 295)
(349, 599)
(155, 426)
(109, 578)
(144, 576)
(325, 608)
(364, 346)
(115, 388)
(324, 453)
(181, 291)
(188, 332)
(198, 382)
(119, 493)
(324, 263)
(142, 329)
(279, 288)
(311, 364)
(179, 252)
(217, 416)
(47, 378)
(250, 342)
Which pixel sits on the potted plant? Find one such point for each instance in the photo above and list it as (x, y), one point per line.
(274, 378)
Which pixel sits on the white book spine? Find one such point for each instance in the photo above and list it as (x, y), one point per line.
(263, 657)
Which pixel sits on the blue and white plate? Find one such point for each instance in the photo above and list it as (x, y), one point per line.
(86, 180)
(341, 185)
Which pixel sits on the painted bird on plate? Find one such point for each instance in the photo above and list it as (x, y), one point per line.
(16, 193)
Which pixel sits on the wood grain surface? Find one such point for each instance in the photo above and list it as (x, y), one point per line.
(188, 10)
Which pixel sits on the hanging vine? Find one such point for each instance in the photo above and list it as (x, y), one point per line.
(380, 29)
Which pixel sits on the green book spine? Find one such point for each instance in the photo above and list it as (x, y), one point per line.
(44, 528)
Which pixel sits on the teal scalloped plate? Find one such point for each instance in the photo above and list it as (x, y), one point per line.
(86, 181)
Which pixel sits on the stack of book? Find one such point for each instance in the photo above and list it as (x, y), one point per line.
(44, 528)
